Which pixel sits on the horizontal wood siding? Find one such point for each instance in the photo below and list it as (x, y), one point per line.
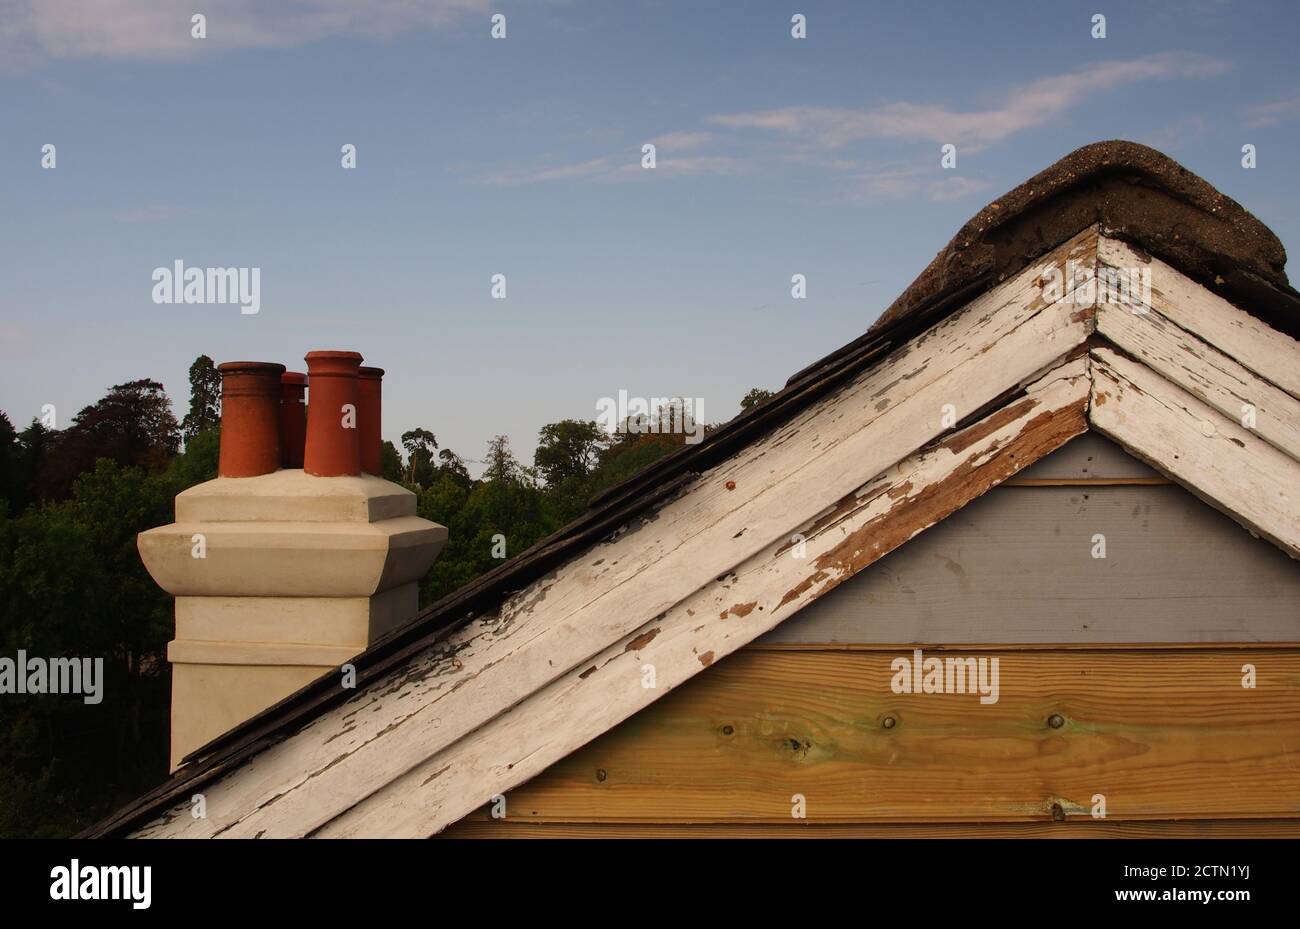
(481, 825)
(1162, 733)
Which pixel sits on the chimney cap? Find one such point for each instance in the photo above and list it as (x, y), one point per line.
(295, 378)
(332, 354)
(371, 372)
(250, 367)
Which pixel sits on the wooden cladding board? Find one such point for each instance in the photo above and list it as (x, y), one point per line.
(1161, 733)
(1017, 565)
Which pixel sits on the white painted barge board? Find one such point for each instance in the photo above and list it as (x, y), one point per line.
(969, 359)
(1205, 373)
(726, 615)
(1230, 468)
(1234, 332)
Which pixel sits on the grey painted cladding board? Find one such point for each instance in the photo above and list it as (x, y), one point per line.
(1016, 566)
(1088, 457)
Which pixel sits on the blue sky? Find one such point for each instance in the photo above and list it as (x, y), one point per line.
(521, 156)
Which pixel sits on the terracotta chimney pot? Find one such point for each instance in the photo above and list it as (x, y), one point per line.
(333, 440)
(293, 418)
(369, 389)
(250, 418)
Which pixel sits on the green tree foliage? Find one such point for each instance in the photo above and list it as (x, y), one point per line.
(755, 396)
(72, 585)
(132, 425)
(391, 460)
(567, 450)
(420, 444)
(205, 399)
(9, 477)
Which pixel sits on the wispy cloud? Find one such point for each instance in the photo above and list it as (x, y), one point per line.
(1024, 107)
(815, 138)
(684, 141)
(33, 30)
(562, 172)
(913, 179)
(610, 169)
(1270, 114)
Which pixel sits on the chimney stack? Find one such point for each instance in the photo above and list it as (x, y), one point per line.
(282, 574)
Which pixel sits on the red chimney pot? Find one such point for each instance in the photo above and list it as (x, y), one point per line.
(250, 418)
(293, 418)
(333, 446)
(369, 420)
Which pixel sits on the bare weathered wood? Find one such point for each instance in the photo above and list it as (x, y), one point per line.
(730, 612)
(1160, 734)
(733, 512)
(1017, 566)
(1234, 332)
(1229, 467)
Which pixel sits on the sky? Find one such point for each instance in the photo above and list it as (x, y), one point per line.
(523, 156)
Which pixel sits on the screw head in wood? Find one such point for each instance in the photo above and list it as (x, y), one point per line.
(1056, 720)
(889, 722)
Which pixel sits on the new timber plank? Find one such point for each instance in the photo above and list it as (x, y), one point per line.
(1162, 734)
(481, 825)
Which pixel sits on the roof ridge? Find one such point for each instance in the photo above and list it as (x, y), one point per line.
(1133, 192)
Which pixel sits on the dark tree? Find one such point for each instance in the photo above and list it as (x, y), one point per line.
(392, 462)
(755, 396)
(420, 444)
(205, 398)
(567, 450)
(9, 451)
(132, 425)
(453, 467)
(501, 464)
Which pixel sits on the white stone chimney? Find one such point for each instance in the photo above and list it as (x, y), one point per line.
(294, 559)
